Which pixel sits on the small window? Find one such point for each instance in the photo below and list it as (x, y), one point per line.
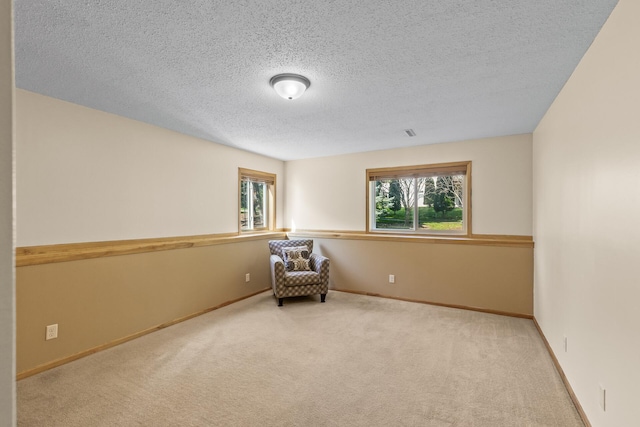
(430, 199)
(257, 200)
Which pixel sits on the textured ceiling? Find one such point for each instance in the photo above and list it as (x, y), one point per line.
(451, 70)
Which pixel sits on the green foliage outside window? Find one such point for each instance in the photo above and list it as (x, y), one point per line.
(439, 207)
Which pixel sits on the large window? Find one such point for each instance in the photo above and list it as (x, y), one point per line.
(257, 200)
(430, 199)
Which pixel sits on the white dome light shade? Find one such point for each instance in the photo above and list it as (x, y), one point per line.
(289, 86)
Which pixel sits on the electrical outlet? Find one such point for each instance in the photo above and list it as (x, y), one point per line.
(392, 278)
(52, 332)
(566, 348)
(247, 277)
(602, 397)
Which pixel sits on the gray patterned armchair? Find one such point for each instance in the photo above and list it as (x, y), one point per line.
(292, 276)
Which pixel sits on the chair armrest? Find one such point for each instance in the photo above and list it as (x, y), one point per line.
(275, 258)
(277, 270)
(320, 265)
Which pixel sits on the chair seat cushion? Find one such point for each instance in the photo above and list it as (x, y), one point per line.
(298, 278)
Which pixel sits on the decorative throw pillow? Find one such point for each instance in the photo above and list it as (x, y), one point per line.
(296, 258)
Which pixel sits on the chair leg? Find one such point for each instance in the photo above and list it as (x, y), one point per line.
(280, 302)
(322, 297)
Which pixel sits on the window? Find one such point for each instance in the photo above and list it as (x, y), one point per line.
(430, 199)
(257, 200)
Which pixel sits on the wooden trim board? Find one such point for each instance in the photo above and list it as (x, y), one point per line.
(511, 237)
(567, 385)
(439, 304)
(46, 254)
(476, 240)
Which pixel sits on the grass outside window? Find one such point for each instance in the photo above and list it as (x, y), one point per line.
(426, 199)
(256, 200)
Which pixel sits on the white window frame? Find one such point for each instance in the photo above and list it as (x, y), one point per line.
(415, 172)
(269, 200)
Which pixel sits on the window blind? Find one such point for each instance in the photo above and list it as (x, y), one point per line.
(458, 168)
(256, 176)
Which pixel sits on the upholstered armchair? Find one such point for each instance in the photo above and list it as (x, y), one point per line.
(296, 270)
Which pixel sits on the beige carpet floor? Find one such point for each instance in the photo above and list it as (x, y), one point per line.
(354, 361)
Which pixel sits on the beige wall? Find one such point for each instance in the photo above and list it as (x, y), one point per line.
(329, 193)
(99, 301)
(587, 200)
(7, 245)
(485, 277)
(84, 175)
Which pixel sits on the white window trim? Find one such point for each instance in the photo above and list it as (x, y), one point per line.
(416, 172)
(270, 199)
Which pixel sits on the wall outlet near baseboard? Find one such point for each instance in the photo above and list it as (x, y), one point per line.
(52, 332)
(247, 277)
(392, 278)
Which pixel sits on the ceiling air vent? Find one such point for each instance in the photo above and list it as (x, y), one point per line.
(410, 132)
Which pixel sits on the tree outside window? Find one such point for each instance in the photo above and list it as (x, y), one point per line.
(427, 199)
(256, 200)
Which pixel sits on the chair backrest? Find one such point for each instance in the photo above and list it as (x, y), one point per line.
(275, 246)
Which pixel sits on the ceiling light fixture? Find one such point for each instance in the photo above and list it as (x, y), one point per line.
(289, 86)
